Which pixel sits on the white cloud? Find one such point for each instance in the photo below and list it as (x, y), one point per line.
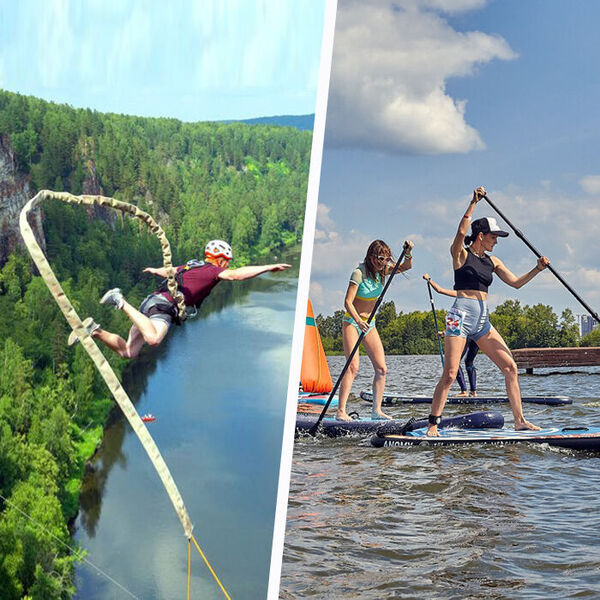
(325, 300)
(215, 59)
(448, 6)
(323, 219)
(590, 184)
(390, 67)
(54, 41)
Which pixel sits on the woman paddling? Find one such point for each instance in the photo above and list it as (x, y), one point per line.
(366, 285)
(469, 353)
(469, 318)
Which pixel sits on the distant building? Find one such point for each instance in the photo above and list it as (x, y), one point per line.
(586, 324)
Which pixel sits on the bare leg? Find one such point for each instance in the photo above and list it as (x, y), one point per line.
(349, 339)
(129, 348)
(493, 345)
(453, 347)
(152, 331)
(144, 330)
(376, 354)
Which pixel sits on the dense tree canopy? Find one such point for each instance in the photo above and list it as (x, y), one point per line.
(239, 182)
(242, 183)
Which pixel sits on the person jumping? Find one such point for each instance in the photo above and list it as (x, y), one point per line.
(158, 311)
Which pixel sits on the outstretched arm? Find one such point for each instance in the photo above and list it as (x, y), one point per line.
(463, 227)
(511, 279)
(438, 288)
(250, 271)
(159, 272)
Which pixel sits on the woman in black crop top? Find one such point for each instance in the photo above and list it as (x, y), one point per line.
(469, 318)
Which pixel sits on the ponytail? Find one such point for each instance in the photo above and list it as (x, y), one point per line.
(469, 239)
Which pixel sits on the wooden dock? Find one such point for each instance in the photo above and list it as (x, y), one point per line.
(531, 358)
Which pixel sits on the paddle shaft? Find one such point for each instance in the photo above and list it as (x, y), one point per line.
(539, 255)
(437, 334)
(313, 429)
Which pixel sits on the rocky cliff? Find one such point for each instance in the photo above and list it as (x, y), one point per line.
(14, 193)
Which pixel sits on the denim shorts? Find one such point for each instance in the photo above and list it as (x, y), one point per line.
(468, 318)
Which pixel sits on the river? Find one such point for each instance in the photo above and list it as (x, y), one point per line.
(217, 387)
(447, 523)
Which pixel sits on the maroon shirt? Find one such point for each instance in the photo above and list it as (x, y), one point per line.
(197, 283)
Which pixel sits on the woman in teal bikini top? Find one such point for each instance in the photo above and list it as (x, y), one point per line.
(368, 289)
(365, 286)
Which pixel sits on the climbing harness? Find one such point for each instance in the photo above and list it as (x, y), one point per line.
(92, 349)
(190, 311)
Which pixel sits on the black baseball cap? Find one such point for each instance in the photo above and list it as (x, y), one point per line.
(487, 225)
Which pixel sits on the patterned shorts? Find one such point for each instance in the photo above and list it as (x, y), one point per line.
(468, 318)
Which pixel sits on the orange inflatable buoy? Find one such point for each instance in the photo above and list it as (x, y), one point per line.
(314, 375)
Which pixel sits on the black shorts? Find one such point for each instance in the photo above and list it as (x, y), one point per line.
(157, 307)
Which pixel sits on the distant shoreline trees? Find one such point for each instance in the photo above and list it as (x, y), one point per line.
(414, 333)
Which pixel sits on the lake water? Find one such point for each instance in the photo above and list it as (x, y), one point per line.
(217, 387)
(447, 523)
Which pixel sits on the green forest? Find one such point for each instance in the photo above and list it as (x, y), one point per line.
(242, 183)
(415, 332)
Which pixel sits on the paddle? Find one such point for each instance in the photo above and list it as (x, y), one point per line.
(313, 430)
(435, 320)
(537, 253)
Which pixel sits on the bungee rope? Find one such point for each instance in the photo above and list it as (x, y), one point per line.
(212, 571)
(87, 342)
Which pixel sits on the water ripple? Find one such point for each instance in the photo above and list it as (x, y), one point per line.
(447, 523)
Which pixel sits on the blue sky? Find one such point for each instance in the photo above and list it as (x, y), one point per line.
(430, 99)
(209, 60)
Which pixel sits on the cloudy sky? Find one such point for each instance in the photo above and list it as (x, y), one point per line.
(209, 60)
(432, 98)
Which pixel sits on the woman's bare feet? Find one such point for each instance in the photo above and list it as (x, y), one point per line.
(462, 394)
(473, 393)
(525, 425)
(379, 414)
(432, 431)
(342, 416)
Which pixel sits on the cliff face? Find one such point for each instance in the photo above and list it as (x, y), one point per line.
(14, 193)
(86, 155)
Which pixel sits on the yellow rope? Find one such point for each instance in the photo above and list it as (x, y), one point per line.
(189, 580)
(211, 569)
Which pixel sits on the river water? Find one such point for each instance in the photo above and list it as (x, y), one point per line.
(447, 523)
(217, 387)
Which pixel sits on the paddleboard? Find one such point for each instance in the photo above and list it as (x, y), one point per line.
(393, 399)
(576, 438)
(308, 398)
(335, 428)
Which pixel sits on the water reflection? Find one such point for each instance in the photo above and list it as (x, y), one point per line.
(217, 386)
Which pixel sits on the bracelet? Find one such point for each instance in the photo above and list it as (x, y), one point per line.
(467, 217)
(407, 256)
